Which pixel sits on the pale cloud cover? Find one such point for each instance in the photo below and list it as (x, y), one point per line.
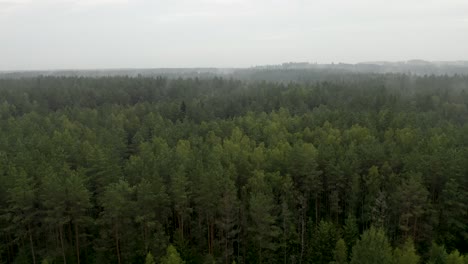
(58, 34)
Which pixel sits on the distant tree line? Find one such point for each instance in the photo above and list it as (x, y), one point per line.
(362, 169)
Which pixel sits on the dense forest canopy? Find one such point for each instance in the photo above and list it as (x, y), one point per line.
(360, 168)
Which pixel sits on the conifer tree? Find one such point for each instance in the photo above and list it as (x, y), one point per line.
(455, 258)
(340, 254)
(406, 254)
(21, 208)
(437, 254)
(373, 247)
(116, 217)
(149, 259)
(263, 222)
(172, 256)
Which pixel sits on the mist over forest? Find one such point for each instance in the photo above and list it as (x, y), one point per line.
(289, 71)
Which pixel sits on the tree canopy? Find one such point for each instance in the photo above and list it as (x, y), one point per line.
(360, 168)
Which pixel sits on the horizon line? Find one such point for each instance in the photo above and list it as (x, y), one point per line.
(372, 62)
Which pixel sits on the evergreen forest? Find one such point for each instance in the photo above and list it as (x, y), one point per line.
(354, 168)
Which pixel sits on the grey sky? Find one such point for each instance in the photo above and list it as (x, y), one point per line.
(70, 34)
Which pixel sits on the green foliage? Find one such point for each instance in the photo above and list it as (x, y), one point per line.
(263, 222)
(437, 254)
(412, 199)
(107, 170)
(149, 259)
(151, 209)
(323, 243)
(373, 247)
(454, 214)
(172, 256)
(350, 232)
(340, 254)
(455, 258)
(406, 254)
(116, 218)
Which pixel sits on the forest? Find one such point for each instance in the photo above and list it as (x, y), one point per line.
(359, 168)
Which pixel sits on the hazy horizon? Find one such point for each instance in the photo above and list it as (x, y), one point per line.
(211, 67)
(137, 34)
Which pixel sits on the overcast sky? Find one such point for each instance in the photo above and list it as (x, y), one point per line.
(84, 34)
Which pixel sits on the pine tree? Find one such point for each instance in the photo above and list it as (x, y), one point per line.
(437, 254)
(340, 254)
(323, 242)
(207, 194)
(229, 208)
(372, 182)
(22, 210)
(406, 254)
(455, 258)
(67, 200)
(306, 177)
(454, 214)
(373, 247)
(180, 184)
(116, 217)
(350, 232)
(149, 259)
(180, 196)
(262, 228)
(151, 208)
(412, 200)
(172, 256)
(289, 238)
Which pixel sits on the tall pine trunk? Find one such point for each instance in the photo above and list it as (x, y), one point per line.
(226, 247)
(212, 237)
(61, 243)
(77, 244)
(302, 237)
(32, 244)
(208, 238)
(181, 221)
(303, 224)
(117, 247)
(8, 239)
(316, 210)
